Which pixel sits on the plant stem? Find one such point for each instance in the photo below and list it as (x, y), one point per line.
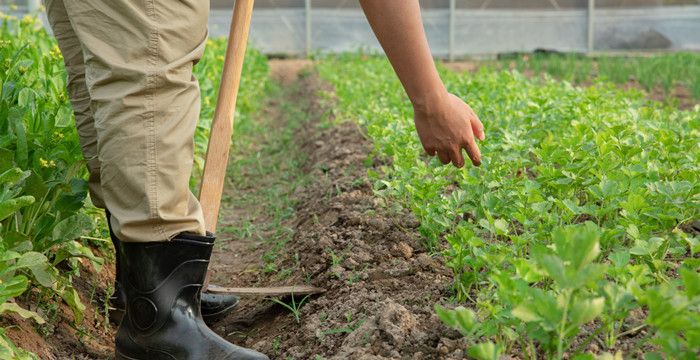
(562, 326)
(632, 331)
(589, 339)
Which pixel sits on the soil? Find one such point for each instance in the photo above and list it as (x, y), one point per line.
(381, 284)
(59, 338)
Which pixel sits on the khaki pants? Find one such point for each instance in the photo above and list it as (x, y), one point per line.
(136, 103)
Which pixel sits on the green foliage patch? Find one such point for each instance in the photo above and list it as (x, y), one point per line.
(663, 70)
(42, 177)
(43, 187)
(575, 227)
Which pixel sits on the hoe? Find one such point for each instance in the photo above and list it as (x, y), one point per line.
(217, 156)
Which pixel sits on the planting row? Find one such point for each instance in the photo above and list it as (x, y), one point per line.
(575, 236)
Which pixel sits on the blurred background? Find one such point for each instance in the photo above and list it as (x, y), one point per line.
(464, 28)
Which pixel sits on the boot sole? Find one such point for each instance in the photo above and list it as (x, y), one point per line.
(116, 316)
(214, 317)
(120, 356)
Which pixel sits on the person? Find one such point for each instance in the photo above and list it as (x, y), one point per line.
(136, 104)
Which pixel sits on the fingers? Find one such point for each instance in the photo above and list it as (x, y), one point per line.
(472, 150)
(453, 155)
(478, 128)
(444, 157)
(476, 124)
(430, 150)
(456, 156)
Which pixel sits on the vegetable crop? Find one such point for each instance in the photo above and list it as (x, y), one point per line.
(44, 211)
(575, 233)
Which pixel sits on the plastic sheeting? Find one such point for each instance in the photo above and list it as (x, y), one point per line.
(479, 31)
(473, 27)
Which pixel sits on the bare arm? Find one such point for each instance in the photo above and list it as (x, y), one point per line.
(445, 124)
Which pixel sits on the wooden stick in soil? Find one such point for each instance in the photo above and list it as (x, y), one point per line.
(214, 176)
(269, 291)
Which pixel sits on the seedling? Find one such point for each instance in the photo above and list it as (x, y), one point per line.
(294, 307)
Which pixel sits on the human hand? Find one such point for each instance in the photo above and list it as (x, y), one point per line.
(445, 126)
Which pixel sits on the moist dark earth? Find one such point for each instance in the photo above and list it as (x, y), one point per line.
(381, 284)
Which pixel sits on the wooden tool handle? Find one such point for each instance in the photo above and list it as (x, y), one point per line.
(268, 291)
(214, 175)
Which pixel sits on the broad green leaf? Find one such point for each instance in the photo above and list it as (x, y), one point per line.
(485, 351)
(11, 176)
(619, 258)
(16, 241)
(554, 267)
(13, 287)
(691, 281)
(40, 268)
(6, 159)
(21, 154)
(45, 274)
(63, 117)
(501, 226)
(633, 231)
(70, 249)
(466, 320)
(9, 207)
(577, 245)
(460, 318)
(71, 227)
(646, 247)
(30, 259)
(9, 255)
(541, 207)
(527, 270)
(13, 307)
(526, 313)
(70, 296)
(35, 186)
(585, 310)
(25, 97)
(74, 199)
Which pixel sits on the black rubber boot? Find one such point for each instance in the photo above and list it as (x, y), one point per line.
(117, 301)
(214, 306)
(163, 282)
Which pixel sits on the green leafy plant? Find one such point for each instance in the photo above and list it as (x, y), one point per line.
(464, 321)
(574, 230)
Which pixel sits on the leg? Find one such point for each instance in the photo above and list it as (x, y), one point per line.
(72, 53)
(138, 64)
(139, 57)
(214, 306)
(77, 91)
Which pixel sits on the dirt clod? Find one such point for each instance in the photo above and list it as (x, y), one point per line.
(381, 283)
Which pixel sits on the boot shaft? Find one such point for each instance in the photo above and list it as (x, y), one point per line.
(163, 280)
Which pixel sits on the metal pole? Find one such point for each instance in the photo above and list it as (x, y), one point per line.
(451, 35)
(591, 25)
(307, 14)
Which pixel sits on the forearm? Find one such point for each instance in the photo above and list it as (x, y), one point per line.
(399, 29)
